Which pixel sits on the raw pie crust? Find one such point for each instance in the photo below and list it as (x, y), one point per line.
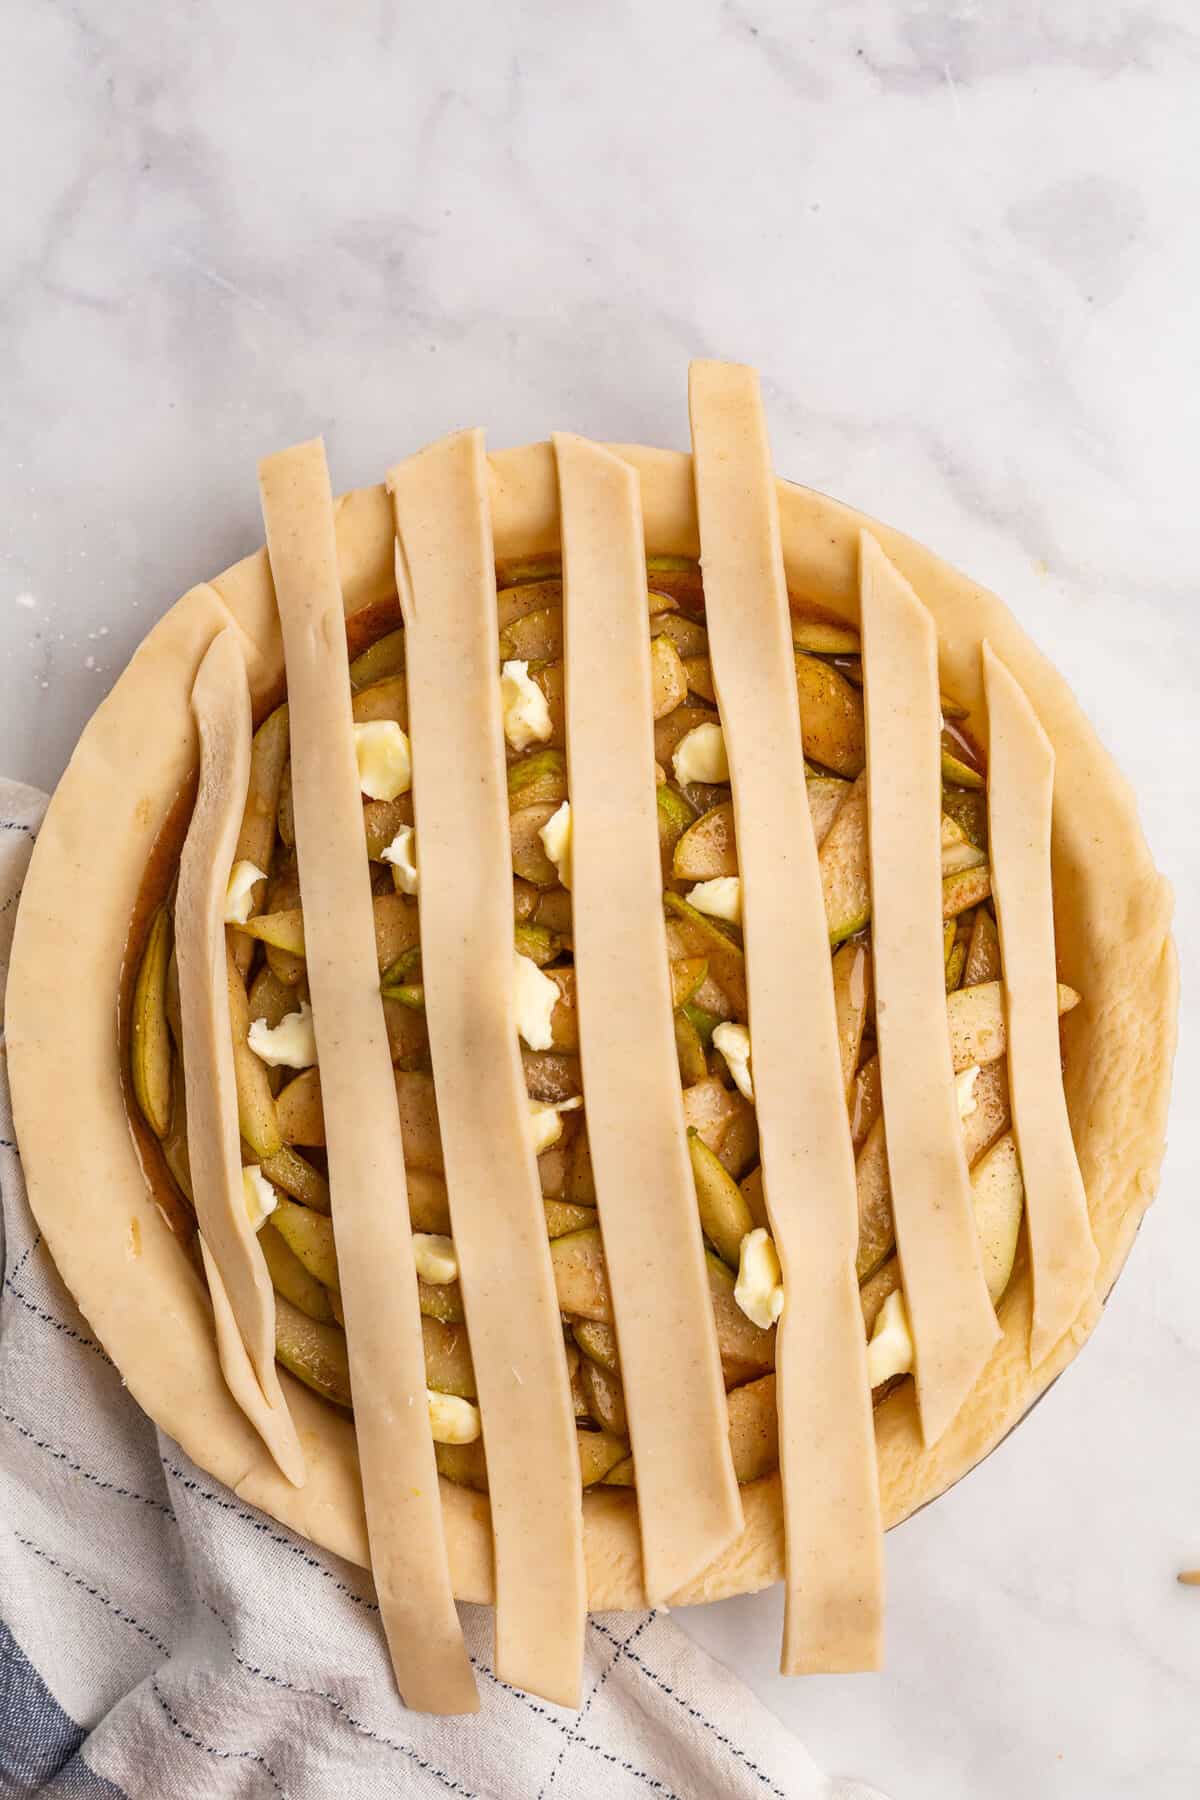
(136, 763)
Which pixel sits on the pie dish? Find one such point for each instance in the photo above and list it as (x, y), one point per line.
(862, 602)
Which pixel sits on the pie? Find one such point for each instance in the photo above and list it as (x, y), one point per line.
(549, 869)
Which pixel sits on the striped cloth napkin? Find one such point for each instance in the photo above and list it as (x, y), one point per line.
(158, 1637)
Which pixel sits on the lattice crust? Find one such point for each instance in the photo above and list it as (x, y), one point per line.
(821, 854)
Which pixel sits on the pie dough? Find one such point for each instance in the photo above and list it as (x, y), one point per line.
(687, 1490)
(954, 1328)
(243, 1297)
(369, 1192)
(447, 580)
(834, 1599)
(139, 755)
(1020, 793)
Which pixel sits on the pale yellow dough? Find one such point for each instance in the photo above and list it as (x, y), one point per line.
(1112, 920)
(447, 582)
(834, 1611)
(243, 1297)
(377, 1276)
(953, 1326)
(1020, 792)
(687, 1491)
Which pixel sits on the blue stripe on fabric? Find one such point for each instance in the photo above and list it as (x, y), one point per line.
(40, 1743)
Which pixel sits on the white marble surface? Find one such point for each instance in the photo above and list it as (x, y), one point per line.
(961, 241)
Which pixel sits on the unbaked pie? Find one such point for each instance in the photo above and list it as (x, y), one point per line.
(544, 876)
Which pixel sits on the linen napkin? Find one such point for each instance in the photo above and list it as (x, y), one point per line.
(158, 1637)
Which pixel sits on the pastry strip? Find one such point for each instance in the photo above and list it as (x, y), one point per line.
(445, 574)
(688, 1503)
(953, 1322)
(832, 1522)
(1020, 799)
(362, 1125)
(240, 1284)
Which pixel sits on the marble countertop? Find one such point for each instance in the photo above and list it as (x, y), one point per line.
(961, 242)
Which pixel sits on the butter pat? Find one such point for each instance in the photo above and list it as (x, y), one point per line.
(261, 1198)
(384, 759)
(239, 896)
(536, 996)
(435, 1258)
(964, 1090)
(452, 1420)
(890, 1351)
(546, 1121)
(733, 1041)
(720, 898)
(526, 712)
(292, 1044)
(402, 854)
(556, 841)
(700, 755)
(759, 1287)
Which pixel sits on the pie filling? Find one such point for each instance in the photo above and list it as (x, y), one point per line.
(279, 1085)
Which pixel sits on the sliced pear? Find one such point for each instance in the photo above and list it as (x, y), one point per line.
(822, 637)
(724, 1121)
(708, 848)
(687, 974)
(581, 1275)
(290, 1277)
(538, 778)
(978, 1029)
(533, 637)
(845, 869)
(866, 1101)
(515, 600)
(669, 732)
(968, 808)
(852, 1000)
(725, 1217)
(529, 859)
(957, 773)
(599, 1451)
(825, 796)
(396, 928)
(257, 1117)
(302, 1122)
(605, 1398)
(876, 1226)
(382, 700)
(623, 1475)
(831, 718)
(563, 1216)
(463, 1464)
(754, 1429)
(746, 1350)
(315, 1353)
(698, 670)
(441, 1302)
(703, 937)
(310, 1235)
(285, 818)
(382, 819)
(598, 1342)
(693, 1064)
(538, 943)
(999, 1196)
(150, 1036)
(448, 1365)
(688, 636)
(752, 1193)
(983, 952)
(876, 1290)
(967, 889)
(668, 678)
(296, 1177)
(551, 1075)
(380, 661)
